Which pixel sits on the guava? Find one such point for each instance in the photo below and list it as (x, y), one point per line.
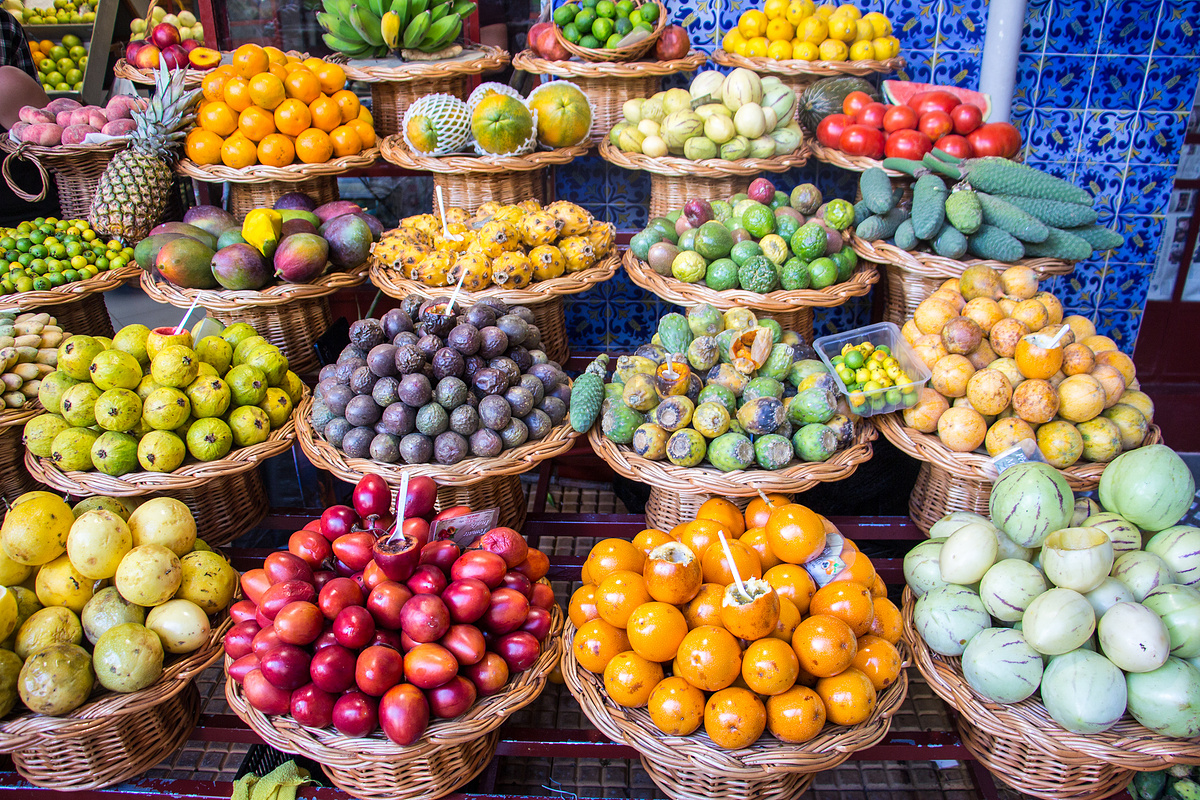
(128, 658)
(98, 541)
(118, 409)
(75, 356)
(132, 340)
(160, 451)
(215, 351)
(278, 407)
(71, 450)
(115, 453)
(271, 361)
(164, 521)
(166, 408)
(209, 439)
(181, 624)
(49, 626)
(52, 388)
(207, 370)
(113, 369)
(250, 425)
(79, 405)
(147, 386)
(175, 366)
(40, 431)
(238, 332)
(294, 387)
(210, 397)
(10, 670)
(242, 349)
(248, 385)
(99, 503)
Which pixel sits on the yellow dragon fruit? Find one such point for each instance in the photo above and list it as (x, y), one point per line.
(600, 234)
(540, 227)
(529, 206)
(487, 210)
(575, 221)
(456, 215)
(435, 269)
(548, 262)
(510, 214)
(577, 251)
(427, 224)
(498, 237)
(512, 270)
(477, 268)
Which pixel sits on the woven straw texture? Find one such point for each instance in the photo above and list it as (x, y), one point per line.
(14, 480)
(814, 69)
(76, 168)
(259, 173)
(1127, 744)
(799, 477)
(245, 197)
(396, 152)
(834, 156)
(630, 52)
(666, 509)
(275, 296)
(503, 493)
(449, 754)
(903, 291)
(479, 59)
(68, 293)
(87, 314)
(391, 100)
(694, 784)
(123, 69)
(931, 265)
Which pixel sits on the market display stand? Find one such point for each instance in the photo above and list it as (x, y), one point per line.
(97, 34)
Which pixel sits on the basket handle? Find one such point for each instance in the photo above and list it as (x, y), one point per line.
(6, 171)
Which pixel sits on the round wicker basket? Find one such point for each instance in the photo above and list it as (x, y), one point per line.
(123, 69)
(55, 301)
(449, 754)
(798, 74)
(831, 155)
(694, 768)
(116, 736)
(608, 84)
(76, 168)
(14, 480)
(630, 52)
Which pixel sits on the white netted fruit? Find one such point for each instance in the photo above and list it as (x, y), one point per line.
(436, 124)
(484, 89)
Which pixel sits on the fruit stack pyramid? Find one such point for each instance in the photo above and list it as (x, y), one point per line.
(57, 13)
(994, 209)
(147, 399)
(603, 24)
(128, 576)
(60, 66)
(424, 629)
(48, 252)
(504, 246)
(424, 386)
(375, 29)
(269, 108)
(1095, 606)
(732, 391)
(664, 621)
(64, 121)
(733, 116)
(165, 39)
(797, 29)
(759, 240)
(999, 376)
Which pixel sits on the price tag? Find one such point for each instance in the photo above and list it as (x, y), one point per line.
(1023, 451)
(464, 530)
(826, 566)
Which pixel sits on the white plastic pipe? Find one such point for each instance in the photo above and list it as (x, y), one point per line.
(998, 72)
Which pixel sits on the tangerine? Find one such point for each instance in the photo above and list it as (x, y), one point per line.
(266, 91)
(237, 94)
(789, 618)
(345, 141)
(276, 150)
(718, 509)
(250, 60)
(219, 118)
(849, 601)
(275, 55)
(849, 697)
(655, 631)
(278, 70)
(770, 666)
(582, 607)
(672, 573)
(794, 583)
(347, 101)
(292, 117)
(709, 658)
(705, 608)
(366, 133)
(716, 566)
(595, 644)
(613, 555)
(825, 645)
(879, 660)
(256, 124)
(734, 718)
(759, 510)
(756, 540)
(331, 76)
(795, 716)
(203, 147)
(878, 587)
(629, 679)
(699, 534)
(325, 113)
(649, 539)
(239, 152)
(676, 707)
(795, 533)
(752, 611)
(313, 146)
(619, 594)
(302, 85)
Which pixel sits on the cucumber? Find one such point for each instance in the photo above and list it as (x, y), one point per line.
(1052, 212)
(1006, 216)
(1001, 176)
(929, 206)
(876, 190)
(904, 238)
(995, 244)
(881, 226)
(963, 210)
(1099, 237)
(950, 242)
(1060, 244)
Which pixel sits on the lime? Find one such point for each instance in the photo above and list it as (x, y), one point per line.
(589, 42)
(649, 12)
(570, 32)
(846, 261)
(602, 28)
(564, 14)
(643, 26)
(759, 220)
(622, 26)
(786, 225)
(839, 214)
(606, 8)
(722, 274)
(853, 359)
(584, 19)
(824, 272)
(635, 16)
(809, 242)
(624, 8)
(588, 3)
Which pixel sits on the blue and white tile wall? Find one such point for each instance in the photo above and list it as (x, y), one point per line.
(1103, 93)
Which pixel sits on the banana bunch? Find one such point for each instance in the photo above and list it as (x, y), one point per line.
(375, 28)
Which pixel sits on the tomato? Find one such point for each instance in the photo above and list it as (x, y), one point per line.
(871, 115)
(899, 118)
(995, 139)
(829, 131)
(967, 117)
(907, 144)
(935, 124)
(859, 140)
(955, 145)
(936, 100)
(854, 102)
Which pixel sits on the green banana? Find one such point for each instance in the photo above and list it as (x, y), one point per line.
(464, 8)
(389, 27)
(338, 27)
(415, 7)
(439, 11)
(416, 29)
(352, 49)
(441, 34)
(366, 24)
(400, 8)
(378, 7)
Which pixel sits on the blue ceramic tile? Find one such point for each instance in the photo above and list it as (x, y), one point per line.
(621, 289)
(1021, 118)
(1120, 325)
(1129, 26)
(597, 294)
(1171, 85)
(962, 26)
(629, 187)
(1107, 136)
(1081, 288)
(1064, 81)
(728, 13)
(628, 217)
(1033, 36)
(1054, 134)
(1147, 189)
(915, 22)
(1104, 181)
(918, 66)
(1025, 88)
(959, 68)
(1125, 285)
(1117, 83)
(1073, 26)
(1142, 234)
(587, 324)
(1158, 137)
(1179, 29)
(700, 19)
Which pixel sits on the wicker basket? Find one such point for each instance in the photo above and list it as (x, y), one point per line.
(834, 156)
(674, 180)
(693, 768)
(449, 754)
(950, 481)
(58, 301)
(14, 480)
(797, 74)
(630, 52)
(76, 168)
(609, 84)
(116, 736)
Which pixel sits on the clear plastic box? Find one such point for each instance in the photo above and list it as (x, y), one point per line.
(868, 404)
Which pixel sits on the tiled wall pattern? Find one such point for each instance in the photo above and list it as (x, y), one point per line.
(1103, 94)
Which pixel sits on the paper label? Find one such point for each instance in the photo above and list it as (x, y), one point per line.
(1023, 451)
(464, 530)
(826, 566)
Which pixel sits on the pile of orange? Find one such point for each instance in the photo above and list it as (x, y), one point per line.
(662, 620)
(267, 107)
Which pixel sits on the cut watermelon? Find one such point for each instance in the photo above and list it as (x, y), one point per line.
(900, 92)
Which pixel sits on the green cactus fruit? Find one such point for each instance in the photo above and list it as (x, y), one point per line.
(779, 362)
(814, 404)
(650, 442)
(686, 448)
(711, 419)
(731, 451)
(822, 380)
(843, 428)
(703, 353)
(725, 375)
(815, 442)
(716, 393)
(772, 451)
(674, 333)
(628, 366)
(655, 352)
(639, 392)
(762, 386)
(619, 421)
(705, 320)
(674, 413)
(761, 415)
(725, 342)
(773, 326)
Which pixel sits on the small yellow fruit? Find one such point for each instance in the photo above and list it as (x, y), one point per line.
(775, 9)
(814, 30)
(806, 51)
(780, 30)
(861, 51)
(731, 40)
(780, 51)
(833, 50)
(798, 10)
(881, 24)
(842, 28)
(752, 23)
(757, 47)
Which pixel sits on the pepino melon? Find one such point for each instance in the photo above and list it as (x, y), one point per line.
(900, 92)
(1150, 486)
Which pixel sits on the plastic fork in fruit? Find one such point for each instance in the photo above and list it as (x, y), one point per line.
(446, 234)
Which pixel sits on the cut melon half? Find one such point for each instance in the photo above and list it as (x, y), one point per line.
(900, 92)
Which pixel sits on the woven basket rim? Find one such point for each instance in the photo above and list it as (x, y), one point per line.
(396, 152)
(280, 294)
(767, 756)
(676, 167)
(831, 155)
(69, 292)
(976, 466)
(191, 79)
(778, 302)
(528, 61)
(1127, 744)
(327, 746)
(630, 52)
(11, 417)
(388, 280)
(798, 477)
(64, 154)
(293, 173)
(931, 265)
(795, 67)
(189, 476)
(489, 58)
(469, 471)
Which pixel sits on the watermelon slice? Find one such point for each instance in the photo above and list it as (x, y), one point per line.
(900, 92)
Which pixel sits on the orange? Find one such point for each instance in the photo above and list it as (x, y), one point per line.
(302, 85)
(331, 76)
(792, 582)
(709, 658)
(716, 566)
(596, 643)
(756, 540)
(312, 63)
(705, 607)
(213, 85)
(848, 601)
(292, 117)
(582, 607)
(887, 623)
(365, 132)
(276, 150)
(249, 60)
(237, 94)
(239, 152)
(275, 55)
(364, 114)
(770, 666)
(278, 71)
(879, 660)
(655, 631)
(676, 707)
(266, 90)
(858, 567)
(313, 146)
(795, 533)
(672, 573)
(219, 118)
(718, 509)
(789, 619)
(629, 679)
(585, 574)
(878, 587)
(347, 101)
(256, 124)
(795, 716)
(345, 141)
(618, 595)
(734, 718)
(759, 510)
(699, 534)
(824, 644)
(650, 538)
(612, 555)
(203, 147)
(849, 698)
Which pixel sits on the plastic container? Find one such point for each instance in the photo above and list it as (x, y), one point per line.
(868, 404)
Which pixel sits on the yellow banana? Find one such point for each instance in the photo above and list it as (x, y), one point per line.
(389, 27)
(262, 229)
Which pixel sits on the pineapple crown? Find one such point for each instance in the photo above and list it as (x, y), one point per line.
(160, 127)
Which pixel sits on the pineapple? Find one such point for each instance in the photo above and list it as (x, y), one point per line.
(132, 194)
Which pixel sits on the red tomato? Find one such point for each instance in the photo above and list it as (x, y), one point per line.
(967, 117)
(829, 131)
(995, 139)
(907, 144)
(899, 118)
(871, 115)
(935, 124)
(859, 140)
(936, 100)
(955, 145)
(854, 102)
